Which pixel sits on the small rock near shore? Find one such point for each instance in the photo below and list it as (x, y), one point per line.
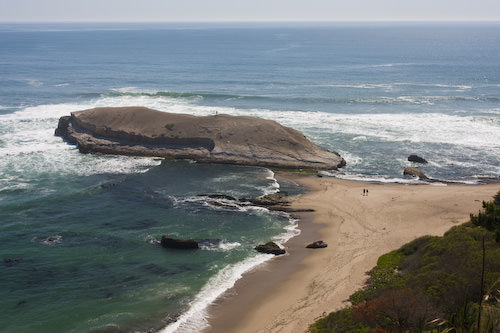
(270, 248)
(317, 245)
(417, 159)
(415, 172)
(174, 243)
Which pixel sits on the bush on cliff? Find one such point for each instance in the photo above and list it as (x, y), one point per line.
(339, 321)
(490, 217)
(431, 283)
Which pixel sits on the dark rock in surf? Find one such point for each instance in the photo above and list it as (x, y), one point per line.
(417, 173)
(270, 248)
(218, 196)
(230, 205)
(317, 245)
(279, 198)
(183, 244)
(417, 159)
(274, 202)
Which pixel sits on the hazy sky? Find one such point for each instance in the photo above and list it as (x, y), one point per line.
(248, 10)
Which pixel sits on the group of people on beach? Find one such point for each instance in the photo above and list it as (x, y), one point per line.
(365, 192)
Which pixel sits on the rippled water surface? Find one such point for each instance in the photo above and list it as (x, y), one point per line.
(80, 232)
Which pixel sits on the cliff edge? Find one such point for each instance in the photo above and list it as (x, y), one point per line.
(222, 138)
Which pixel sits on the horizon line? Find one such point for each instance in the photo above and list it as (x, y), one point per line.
(264, 21)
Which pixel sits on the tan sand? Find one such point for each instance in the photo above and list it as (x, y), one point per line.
(290, 293)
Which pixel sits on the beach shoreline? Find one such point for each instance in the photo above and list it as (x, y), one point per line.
(359, 221)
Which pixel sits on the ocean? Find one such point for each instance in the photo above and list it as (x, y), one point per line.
(79, 233)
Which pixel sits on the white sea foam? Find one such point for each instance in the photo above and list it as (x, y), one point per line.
(457, 87)
(384, 65)
(30, 130)
(360, 138)
(13, 187)
(428, 127)
(351, 159)
(494, 111)
(132, 89)
(222, 246)
(425, 127)
(372, 178)
(383, 86)
(226, 246)
(396, 85)
(29, 143)
(5, 107)
(413, 100)
(34, 82)
(274, 186)
(291, 230)
(195, 319)
(52, 240)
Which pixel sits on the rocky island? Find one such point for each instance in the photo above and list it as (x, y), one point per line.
(140, 131)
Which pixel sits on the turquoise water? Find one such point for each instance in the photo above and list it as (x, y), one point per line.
(88, 247)
(79, 233)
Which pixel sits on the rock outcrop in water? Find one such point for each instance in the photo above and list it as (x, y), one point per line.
(415, 172)
(140, 131)
(418, 174)
(417, 159)
(275, 202)
(270, 248)
(175, 243)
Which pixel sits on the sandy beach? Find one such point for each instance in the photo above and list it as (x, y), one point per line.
(290, 292)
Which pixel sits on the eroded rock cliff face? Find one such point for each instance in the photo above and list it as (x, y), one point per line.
(220, 138)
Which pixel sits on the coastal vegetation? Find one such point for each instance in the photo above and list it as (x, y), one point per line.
(432, 284)
(490, 218)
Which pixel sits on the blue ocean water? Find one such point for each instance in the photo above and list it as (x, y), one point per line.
(79, 232)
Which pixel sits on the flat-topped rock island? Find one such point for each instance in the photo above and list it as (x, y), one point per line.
(244, 140)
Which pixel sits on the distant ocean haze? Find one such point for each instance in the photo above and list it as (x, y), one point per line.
(86, 226)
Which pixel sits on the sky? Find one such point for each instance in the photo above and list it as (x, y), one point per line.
(247, 10)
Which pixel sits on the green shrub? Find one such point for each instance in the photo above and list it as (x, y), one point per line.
(383, 275)
(339, 321)
(431, 283)
(490, 217)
